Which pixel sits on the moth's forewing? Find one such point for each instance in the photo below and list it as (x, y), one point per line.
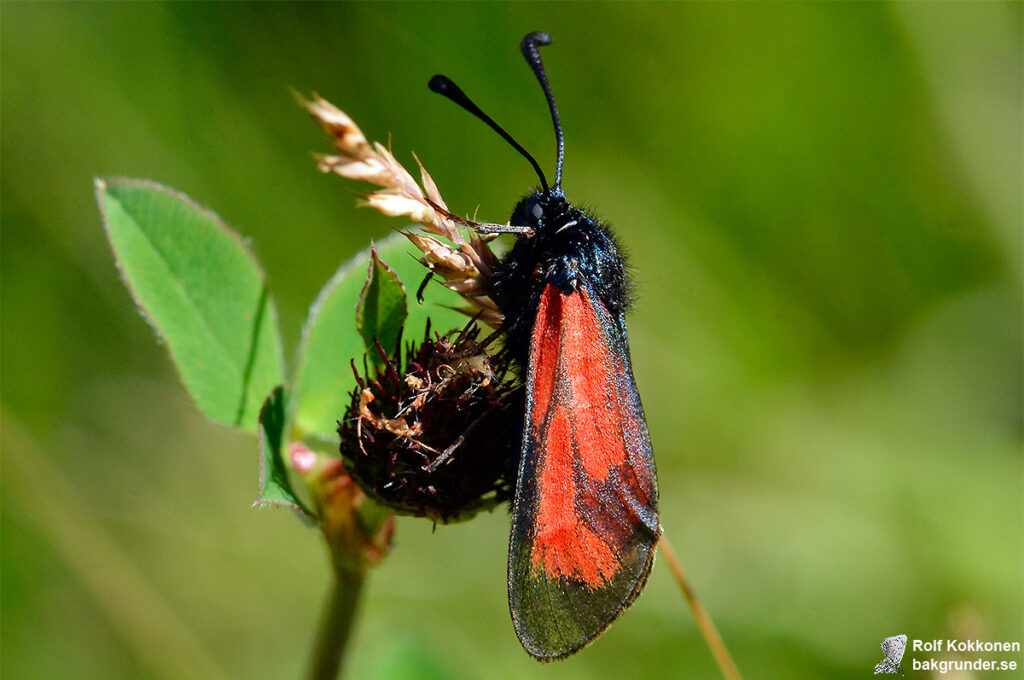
(585, 519)
(894, 647)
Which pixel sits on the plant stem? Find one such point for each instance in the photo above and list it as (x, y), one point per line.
(707, 627)
(336, 624)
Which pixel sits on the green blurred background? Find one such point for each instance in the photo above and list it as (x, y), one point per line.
(822, 204)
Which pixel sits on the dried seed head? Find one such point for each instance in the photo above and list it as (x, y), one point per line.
(436, 436)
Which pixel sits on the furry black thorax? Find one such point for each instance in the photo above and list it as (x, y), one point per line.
(568, 249)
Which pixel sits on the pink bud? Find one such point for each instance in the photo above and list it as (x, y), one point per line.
(303, 458)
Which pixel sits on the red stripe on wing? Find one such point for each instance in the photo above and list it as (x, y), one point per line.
(596, 406)
(584, 427)
(544, 350)
(563, 545)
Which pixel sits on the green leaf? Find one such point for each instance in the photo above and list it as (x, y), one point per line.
(381, 310)
(275, 488)
(330, 340)
(202, 290)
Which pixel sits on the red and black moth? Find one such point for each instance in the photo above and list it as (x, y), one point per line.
(585, 515)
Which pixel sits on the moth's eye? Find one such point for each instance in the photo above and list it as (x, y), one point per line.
(536, 211)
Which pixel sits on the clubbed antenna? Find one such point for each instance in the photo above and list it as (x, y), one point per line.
(531, 43)
(443, 85)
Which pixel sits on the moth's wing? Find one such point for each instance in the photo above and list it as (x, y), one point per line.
(883, 667)
(893, 648)
(900, 646)
(585, 520)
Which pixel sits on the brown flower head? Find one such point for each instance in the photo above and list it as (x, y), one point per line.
(436, 435)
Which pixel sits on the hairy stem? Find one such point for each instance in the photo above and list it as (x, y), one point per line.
(336, 624)
(707, 627)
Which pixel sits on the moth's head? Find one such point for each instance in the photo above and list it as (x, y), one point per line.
(542, 211)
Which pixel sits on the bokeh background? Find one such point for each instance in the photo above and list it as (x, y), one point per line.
(822, 205)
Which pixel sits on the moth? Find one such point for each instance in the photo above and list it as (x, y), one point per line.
(585, 513)
(893, 648)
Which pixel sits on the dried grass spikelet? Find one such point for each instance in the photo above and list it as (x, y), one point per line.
(465, 264)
